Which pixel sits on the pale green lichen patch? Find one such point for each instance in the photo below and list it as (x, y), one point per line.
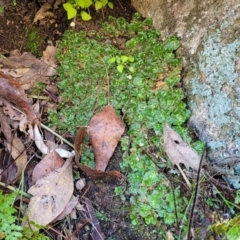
(214, 87)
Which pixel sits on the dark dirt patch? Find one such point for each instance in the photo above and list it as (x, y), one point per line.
(17, 21)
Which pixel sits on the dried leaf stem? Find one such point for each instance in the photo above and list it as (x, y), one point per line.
(195, 194)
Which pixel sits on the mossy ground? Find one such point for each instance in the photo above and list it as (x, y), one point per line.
(144, 78)
(34, 41)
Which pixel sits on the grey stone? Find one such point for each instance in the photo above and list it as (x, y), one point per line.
(210, 48)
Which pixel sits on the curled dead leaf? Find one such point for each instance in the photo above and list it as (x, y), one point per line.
(14, 145)
(178, 151)
(51, 162)
(105, 131)
(93, 173)
(51, 195)
(9, 91)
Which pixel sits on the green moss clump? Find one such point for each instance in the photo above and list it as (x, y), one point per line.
(33, 42)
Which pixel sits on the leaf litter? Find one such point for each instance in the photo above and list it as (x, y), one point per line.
(179, 151)
(105, 131)
(51, 195)
(52, 177)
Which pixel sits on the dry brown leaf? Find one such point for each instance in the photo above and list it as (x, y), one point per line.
(51, 162)
(14, 145)
(68, 209)
(18, 153)
(5, 127)
(105, 131)
(9, 91)
(178, 151)
(93, 173)
(51, 195)
(8, 110)
(8, 167)
(43, 12)
(35, 70)
(16, 73)
(49, 56)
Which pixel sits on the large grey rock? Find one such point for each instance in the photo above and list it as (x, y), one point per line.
(210, 35)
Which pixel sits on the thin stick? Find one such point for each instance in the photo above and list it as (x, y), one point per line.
(50, 130)
(57, 232)
(195, 194)
(15, 190)
(57, 135)
(108, 81)
(184, 176)
(120, 4)
(78, 228)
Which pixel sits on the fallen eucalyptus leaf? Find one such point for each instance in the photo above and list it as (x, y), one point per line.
(51, 195)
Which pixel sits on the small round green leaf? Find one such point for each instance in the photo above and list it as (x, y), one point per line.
(87, 3)
(124, 58)
(120, 68)
(112, 60)
(110, 5)
(71, 11)
(80, 3)
(85, 16)
(98, 5)
(131, 59)
(104, 2)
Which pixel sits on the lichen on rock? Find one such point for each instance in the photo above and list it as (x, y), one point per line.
(213, 91)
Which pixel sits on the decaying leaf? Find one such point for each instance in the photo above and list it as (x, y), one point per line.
(39, 140)
(18, 153)
(51, 195)
(14, 145)
(68, 209)
(8, 167)
(49, 56)
(105, 131)
(8, 110)
(45, 149)
(43, 12)
(93, 173)
(178, 151)
(9, 91)
(51, 162)
(29, 69)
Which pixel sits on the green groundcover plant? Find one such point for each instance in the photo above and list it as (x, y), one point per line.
(10, 224)
(144, 78)
(72, 7)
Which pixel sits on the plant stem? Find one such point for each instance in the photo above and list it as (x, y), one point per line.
(15, 190)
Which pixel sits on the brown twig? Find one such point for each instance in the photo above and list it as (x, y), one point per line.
(195, 194)
(78, 228)
(57, 232)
